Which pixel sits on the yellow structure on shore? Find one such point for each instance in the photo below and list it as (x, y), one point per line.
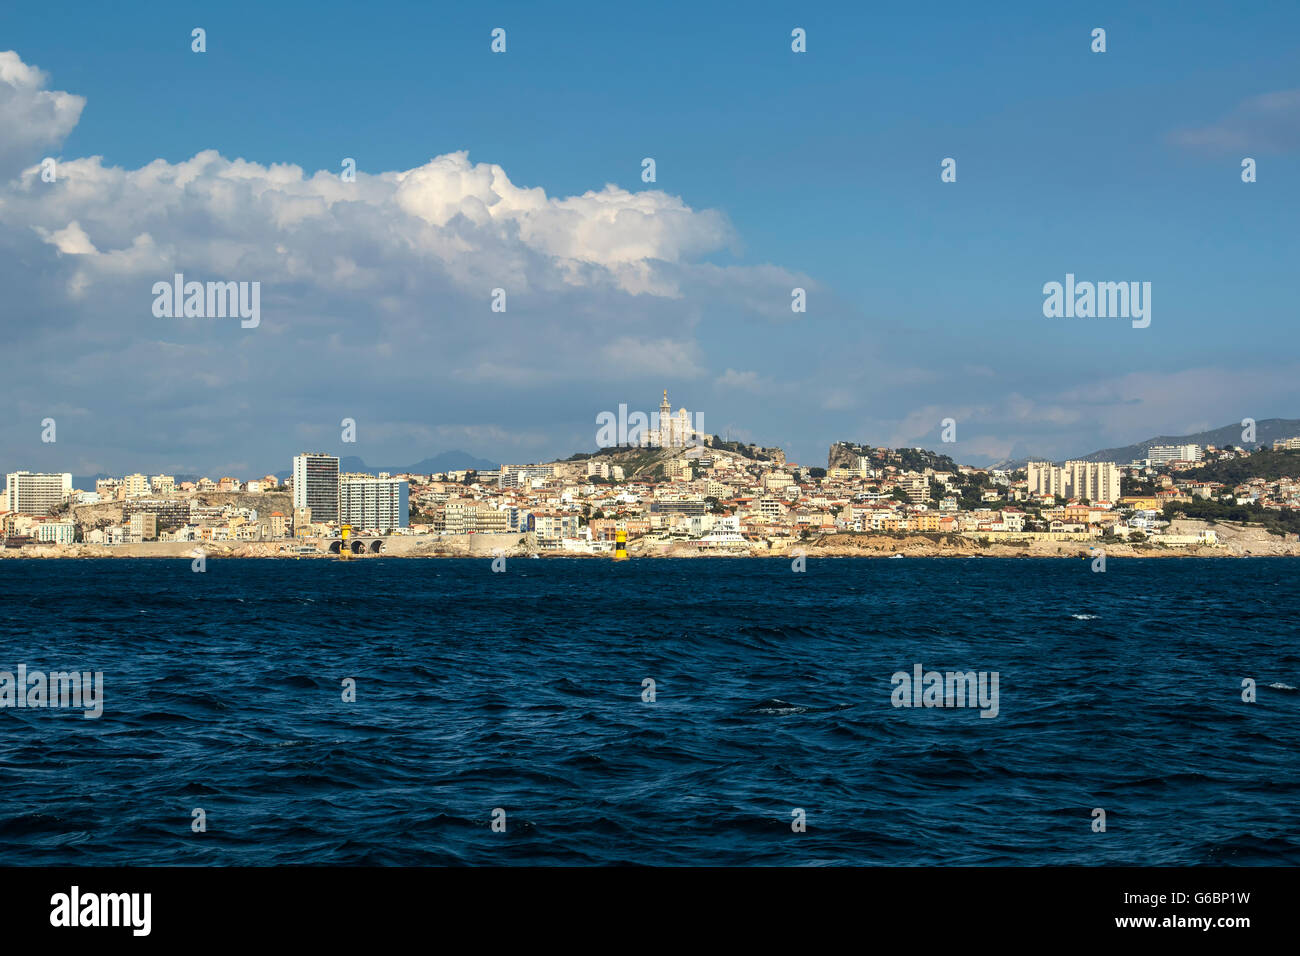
(344, 551)
(620, 545)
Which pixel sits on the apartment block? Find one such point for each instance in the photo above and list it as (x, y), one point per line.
(1094, 480)
(367, 502)
(36, 493)
(56, 532)
(316, 486)
(1166, 454)
(135, 486)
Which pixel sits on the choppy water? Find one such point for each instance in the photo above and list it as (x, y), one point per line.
(523, 691)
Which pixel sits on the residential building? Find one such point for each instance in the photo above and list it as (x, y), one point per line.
(1165, 454)
(56, 532)
(135, 486)
(144, 526)
(170, 512)
(316, 486)
(1094, 480)
(36, 493)
(521, 476)
(367, 502)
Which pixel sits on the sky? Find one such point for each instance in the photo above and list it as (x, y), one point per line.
(523, 171)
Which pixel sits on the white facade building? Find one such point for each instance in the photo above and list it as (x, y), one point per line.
(1094, 480)
(1165, 454)
(367, 502)
(57, 532)
(36, 493)
(316, 486)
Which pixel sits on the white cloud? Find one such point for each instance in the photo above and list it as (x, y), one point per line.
(32, 118)
(71, 240)
(386, 280)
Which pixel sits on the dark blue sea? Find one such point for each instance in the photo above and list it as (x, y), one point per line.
(523, 691)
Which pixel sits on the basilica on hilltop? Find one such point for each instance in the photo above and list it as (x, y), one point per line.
(674, 430)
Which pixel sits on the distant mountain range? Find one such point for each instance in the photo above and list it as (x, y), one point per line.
(1267, 431)
(444, 461)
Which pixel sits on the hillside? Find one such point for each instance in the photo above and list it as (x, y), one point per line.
(845, 455)
(648, 463)
(1266, 432)
(110, 512)
(1266, 464)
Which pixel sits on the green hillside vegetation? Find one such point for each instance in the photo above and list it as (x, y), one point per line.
(1269, 465)
(844, 455)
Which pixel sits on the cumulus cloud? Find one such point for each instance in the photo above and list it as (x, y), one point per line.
(32, 118)
(388, 279)
(464, 221)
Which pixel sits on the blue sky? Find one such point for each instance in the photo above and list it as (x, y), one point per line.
(822, 168)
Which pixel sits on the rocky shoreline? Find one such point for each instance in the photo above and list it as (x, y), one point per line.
(1234, 542)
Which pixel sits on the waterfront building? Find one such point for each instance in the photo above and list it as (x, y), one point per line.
(316, 485)
(56, 532)
(370, 503)
(36, 493)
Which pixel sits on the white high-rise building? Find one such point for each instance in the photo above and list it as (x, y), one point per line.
(1046, 479)
(367, 502)
(1094, 480)
(1164, 454)
(36, 493)
(316, 486)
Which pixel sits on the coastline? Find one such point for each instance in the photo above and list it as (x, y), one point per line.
(1233, 542)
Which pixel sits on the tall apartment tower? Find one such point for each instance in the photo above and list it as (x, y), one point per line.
(36, 494)
(316, 485)
(369, 502)
(1094, 480)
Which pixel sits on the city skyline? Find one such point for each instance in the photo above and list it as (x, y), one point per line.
(668, 495)
(460, 460)
(924, 298)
